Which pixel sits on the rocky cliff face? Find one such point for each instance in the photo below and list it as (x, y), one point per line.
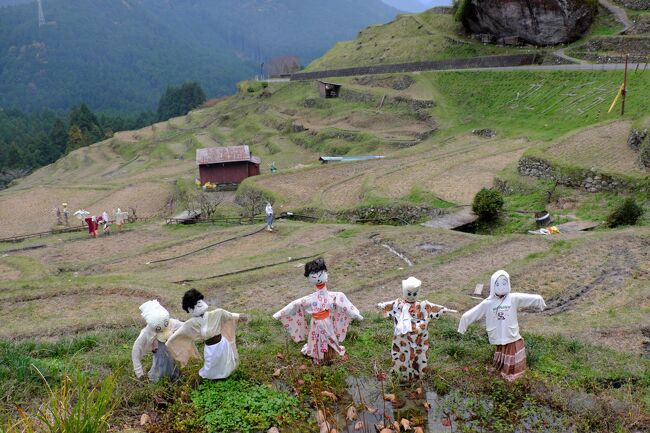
(537, 22)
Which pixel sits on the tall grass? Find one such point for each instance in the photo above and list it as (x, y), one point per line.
(75, 407)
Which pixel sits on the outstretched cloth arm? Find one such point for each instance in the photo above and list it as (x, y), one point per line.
(386, 308)
(181, 344)
(293, 319)
(471, 316)
(434, 311)
(524, 300)
(141, 345)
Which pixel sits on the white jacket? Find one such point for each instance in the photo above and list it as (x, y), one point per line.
(500, 313)
(145, 343)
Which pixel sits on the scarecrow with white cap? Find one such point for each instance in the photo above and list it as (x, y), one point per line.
(411, 333)
(500, 312)
(152, 338)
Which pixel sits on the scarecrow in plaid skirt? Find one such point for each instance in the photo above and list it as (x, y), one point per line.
(500, 313)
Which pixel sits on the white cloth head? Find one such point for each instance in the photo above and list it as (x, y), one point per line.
(503, 288)
(154, 314)
(411, 288)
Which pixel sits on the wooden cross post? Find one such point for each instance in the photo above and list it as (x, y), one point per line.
(624, 89)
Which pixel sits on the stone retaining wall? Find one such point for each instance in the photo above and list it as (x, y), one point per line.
(468, 63)
(589, 180)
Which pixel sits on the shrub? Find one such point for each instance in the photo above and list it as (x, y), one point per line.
(627, 213)
(487, 204)
(237, 405)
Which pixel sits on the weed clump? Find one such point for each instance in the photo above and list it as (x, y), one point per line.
(627, 213)
(487, 204)
(234, 405)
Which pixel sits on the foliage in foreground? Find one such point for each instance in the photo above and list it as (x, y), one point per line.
(75, 407)
(238, 405)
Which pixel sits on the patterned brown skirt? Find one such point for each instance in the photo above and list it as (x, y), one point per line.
(510, 359)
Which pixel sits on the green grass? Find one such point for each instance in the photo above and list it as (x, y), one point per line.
(409, 38)
(456, 361)
(536, 104)
(419, 196)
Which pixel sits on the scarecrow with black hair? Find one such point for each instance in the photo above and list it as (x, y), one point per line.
(411, 318)
(215, 328)
(331, 314)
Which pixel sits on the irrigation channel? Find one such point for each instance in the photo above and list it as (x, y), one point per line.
(423, 407)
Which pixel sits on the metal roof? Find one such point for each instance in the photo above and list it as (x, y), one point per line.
(348, 158)
(215, 155)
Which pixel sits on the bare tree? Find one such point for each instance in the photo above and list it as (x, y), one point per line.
(252, 201)
(206, 202)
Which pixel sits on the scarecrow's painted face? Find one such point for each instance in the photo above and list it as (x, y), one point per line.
(199, 309)
(160, 326)
(319, 277)
(411, 294)
(501, 286)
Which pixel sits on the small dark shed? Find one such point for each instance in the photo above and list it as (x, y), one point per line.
(329, 90)
(223, 165)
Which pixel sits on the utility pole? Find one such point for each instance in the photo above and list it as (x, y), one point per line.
(624, 90)
(261, 71)
(41, 15)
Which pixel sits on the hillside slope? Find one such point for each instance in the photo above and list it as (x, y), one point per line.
(121, 55)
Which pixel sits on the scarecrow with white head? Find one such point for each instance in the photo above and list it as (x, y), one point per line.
(216, 328)
(500, 312)
(411, 334)
(152, 338)
(331, 314)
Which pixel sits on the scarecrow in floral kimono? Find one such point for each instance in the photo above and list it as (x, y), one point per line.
(152, 338)
(216, 328)
(411, 334)
(500, 312)
(331, 314)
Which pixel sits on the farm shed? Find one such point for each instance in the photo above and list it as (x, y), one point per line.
(224, 165)
(329, 90)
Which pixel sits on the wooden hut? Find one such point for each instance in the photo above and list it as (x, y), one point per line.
(226, 165)
(329, 90)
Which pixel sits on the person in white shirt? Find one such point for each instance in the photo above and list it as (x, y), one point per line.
(269, 216)
(500, 312)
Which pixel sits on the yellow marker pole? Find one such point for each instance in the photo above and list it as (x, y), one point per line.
(618, 94)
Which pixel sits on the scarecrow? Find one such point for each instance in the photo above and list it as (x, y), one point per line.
(120, 218)
(331, 314)
(500, 312)
(152, 338)
(216, 328)
(269, 216)
(411, 334)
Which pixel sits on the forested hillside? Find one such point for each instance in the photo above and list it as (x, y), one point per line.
(122, 54)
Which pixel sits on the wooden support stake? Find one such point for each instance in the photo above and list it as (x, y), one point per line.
(624, 89)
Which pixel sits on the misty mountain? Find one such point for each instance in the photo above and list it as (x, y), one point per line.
(122, 54)
(416, 5)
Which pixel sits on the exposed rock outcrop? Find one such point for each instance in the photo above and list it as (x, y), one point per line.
(537, 22)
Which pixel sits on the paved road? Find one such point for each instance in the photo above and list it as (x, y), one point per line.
(573, 67)
(619, 13)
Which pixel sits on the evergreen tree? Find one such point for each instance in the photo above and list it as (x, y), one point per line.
(58, 139)
(75, 138)
(87, 122)
(180, 101)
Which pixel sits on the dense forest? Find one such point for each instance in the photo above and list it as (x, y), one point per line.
(120, 55)
(32, 140)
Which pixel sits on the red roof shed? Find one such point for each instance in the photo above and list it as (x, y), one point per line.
(221, 165)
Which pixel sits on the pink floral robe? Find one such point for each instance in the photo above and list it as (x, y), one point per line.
(321, 334)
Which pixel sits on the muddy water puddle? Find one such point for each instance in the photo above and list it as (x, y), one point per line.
(434, 413)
